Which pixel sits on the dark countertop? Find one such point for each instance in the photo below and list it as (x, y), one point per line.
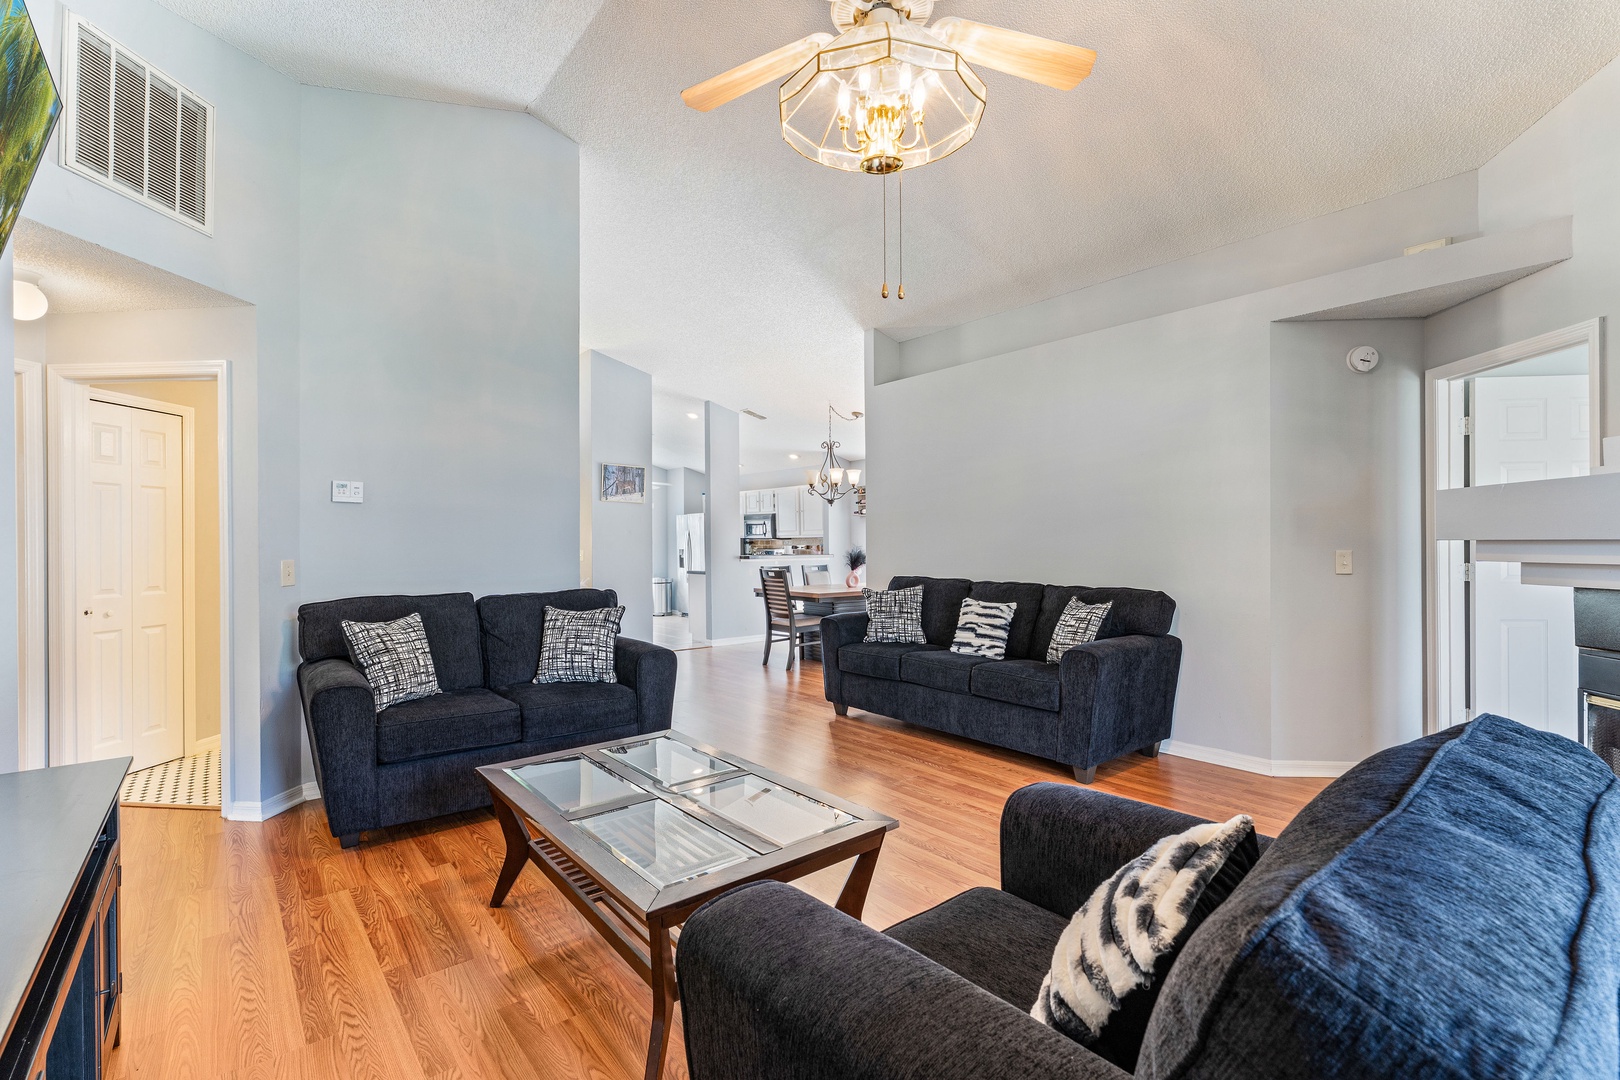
(52, 818)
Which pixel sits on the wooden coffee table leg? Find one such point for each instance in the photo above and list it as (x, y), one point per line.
(663, 996)
(517, 850)
(853, 899)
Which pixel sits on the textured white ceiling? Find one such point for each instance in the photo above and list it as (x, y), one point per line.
(78, 276)
(732, 269)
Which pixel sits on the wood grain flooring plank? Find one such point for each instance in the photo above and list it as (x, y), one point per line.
(264, 951)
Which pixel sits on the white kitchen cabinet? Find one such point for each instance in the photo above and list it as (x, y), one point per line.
(812, 514)
(787, 512)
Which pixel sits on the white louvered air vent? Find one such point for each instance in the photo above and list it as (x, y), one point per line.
(132, 128)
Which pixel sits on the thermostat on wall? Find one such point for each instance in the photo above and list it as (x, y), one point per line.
(1362, 359)
(348, 491)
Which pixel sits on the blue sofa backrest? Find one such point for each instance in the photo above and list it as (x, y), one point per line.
(450, 619)
(1449, 908)
(512, 624)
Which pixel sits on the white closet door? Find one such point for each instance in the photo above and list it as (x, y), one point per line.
(132, 617)
(1526, 428)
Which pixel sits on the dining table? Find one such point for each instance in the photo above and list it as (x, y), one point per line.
(824, 593)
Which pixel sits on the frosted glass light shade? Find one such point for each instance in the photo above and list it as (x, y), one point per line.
(853, 476)
(27, 301)
(879, 78)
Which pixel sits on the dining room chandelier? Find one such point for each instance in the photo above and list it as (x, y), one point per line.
(833, 480)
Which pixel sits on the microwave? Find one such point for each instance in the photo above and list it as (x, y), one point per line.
(759, 526)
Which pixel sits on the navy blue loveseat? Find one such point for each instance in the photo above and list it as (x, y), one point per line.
(1448, 909)
(1110, 697)
(416, 759)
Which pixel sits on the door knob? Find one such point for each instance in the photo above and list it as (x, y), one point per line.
(87, 611)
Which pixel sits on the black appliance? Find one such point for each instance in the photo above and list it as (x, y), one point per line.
(1597, 636)
(759, 526)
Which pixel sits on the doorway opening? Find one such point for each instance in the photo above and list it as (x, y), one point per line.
(137, 577)
(1529, 411)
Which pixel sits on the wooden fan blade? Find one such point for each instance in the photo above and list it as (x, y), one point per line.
(1037, 59)
(777, 64)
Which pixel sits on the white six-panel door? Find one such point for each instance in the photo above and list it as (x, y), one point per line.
(1526, 428)
(131, 640)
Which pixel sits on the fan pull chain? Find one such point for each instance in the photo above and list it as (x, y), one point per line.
(885, 238)
(900, 183)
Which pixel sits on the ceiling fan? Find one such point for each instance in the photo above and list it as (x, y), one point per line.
(891, 92)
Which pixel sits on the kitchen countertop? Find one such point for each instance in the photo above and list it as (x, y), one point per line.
(778, 558)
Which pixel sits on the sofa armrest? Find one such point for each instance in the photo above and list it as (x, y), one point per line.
(836, 632)
(776, 985)
(1119, 694)
(1059, 842)
(340, 714)
(649, 670)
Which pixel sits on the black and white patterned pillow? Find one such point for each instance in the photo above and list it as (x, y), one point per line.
(577, 646)
(394, 657)
(981, 629)
(1115, 954)
(894, 615)
(1077, 625)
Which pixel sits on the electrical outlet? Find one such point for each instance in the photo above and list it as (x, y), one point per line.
(289, 575)
(348, 491)
(1341, 561)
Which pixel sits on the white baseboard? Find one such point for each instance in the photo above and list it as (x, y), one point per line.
(202, 746)
(756, 639)
(276, 804)
(1249, 763)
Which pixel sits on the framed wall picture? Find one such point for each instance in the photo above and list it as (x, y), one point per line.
(624, 483)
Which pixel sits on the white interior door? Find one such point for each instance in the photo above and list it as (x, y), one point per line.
(1532, 427)
(131, 651)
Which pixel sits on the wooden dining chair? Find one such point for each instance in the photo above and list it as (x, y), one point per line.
(782, 623)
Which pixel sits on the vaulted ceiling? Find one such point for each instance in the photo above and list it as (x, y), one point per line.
(732, 269)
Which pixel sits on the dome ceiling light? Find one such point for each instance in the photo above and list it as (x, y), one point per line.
(28, 301)
(890, 93)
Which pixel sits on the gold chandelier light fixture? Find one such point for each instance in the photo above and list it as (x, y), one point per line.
(890, 92)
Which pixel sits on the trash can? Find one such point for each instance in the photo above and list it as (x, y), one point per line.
(661, 589)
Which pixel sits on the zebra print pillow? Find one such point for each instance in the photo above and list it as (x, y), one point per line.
(1077, 625)
(1117, 949)
(394, 658)
(981, 629)
(895, 615)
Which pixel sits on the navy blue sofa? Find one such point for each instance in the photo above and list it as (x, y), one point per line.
(1102, 700)
(1449, 909)
(416, 759)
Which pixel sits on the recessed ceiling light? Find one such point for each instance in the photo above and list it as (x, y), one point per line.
(691, 416)
(793, 457)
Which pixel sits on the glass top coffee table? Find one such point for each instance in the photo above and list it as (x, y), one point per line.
(640, 833)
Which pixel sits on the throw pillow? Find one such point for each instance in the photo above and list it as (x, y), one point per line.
(577, 646)
(1077, 625)
(394, 657)
(981, 629)
(1113, 958)
(894, 616)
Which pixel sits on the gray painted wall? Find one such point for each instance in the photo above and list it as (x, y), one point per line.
(1346, 472)
(440, 342)
(621, 533)
(440, 363)
(662, 521)
(733, 610)
(1565, 164)
(1155, 454)
(252, 255)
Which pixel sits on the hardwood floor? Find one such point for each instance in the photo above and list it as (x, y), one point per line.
(265, 951)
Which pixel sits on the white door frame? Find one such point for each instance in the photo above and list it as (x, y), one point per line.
(67, 398)
(1439, 421)
(33, 677)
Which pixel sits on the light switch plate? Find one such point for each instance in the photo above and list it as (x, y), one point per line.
(1341, 561)
(351, 491)
(289, 574)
